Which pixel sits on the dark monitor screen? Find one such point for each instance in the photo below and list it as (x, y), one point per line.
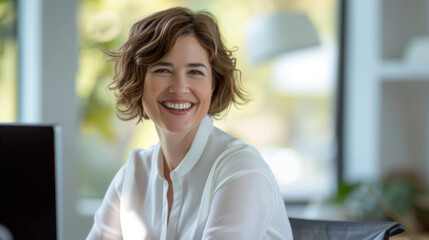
(28, 200)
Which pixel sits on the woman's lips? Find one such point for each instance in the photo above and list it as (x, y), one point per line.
(177, 107)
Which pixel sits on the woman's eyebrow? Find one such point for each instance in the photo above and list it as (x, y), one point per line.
(197, 65)
(165, 64)
(169, 64)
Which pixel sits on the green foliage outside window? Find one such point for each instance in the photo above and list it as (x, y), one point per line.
(8, 61)
(273, 119)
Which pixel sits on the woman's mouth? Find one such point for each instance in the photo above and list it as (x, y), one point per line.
(177, 106)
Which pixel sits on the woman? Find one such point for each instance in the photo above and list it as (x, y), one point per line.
(197, 182)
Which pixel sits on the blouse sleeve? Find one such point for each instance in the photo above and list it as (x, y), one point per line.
(243, 202)
(106, 220)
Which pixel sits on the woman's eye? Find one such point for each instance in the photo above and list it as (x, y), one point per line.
(196, 72)
(161, 70)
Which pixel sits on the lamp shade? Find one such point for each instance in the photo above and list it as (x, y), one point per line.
(271, 35)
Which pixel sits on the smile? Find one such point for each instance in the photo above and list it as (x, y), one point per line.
(177, 106)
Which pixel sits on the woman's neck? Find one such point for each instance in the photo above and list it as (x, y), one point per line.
(175, 146)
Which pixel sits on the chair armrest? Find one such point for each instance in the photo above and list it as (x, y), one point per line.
(340, 230)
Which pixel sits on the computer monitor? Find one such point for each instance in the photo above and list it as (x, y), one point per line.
(30, 180)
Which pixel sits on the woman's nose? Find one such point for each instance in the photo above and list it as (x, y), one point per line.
(179, 84)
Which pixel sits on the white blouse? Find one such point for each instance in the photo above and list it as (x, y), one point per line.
(223, 189)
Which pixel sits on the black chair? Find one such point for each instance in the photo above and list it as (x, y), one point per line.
(304, 229)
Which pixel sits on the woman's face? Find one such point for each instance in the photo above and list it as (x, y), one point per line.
(178, 89)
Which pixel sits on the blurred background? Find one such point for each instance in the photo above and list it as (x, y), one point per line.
(340, 97)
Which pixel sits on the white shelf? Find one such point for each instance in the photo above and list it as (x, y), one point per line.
(400, 70)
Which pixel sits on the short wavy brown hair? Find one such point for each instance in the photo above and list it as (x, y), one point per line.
(151, 38)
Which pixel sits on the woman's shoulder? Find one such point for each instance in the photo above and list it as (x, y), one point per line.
(143, 153)
(143, 158)
(236, 155)
(224, 141)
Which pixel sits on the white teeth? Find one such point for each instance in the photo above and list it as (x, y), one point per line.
(177, 106)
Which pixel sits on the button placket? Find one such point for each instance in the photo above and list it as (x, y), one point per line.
(165, 209)
(175, 208)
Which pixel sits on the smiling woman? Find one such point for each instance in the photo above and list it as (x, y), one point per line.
(197, 182)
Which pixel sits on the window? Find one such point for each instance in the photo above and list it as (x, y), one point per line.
(291, 117)
(8, 61)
